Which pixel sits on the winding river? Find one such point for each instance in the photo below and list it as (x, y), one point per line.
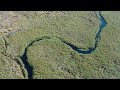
(29, 68)
(97, 38)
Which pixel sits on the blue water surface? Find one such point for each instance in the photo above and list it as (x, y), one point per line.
(97, 38)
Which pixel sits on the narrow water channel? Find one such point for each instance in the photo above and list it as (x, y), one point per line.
(97, 38)
(24, 57)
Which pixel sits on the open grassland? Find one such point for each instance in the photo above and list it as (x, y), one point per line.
(10, 67)
(51, 58)
(9, 22)
(78, 28)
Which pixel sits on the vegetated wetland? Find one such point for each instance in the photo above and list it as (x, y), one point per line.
(38, 38)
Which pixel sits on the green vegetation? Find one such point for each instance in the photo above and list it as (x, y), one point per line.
(10, 67)
(69, 27)
(51, 58)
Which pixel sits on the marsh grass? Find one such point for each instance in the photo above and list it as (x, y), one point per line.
(51, 58)
(68, 26)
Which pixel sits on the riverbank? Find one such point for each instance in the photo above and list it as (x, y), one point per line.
(51, 57)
